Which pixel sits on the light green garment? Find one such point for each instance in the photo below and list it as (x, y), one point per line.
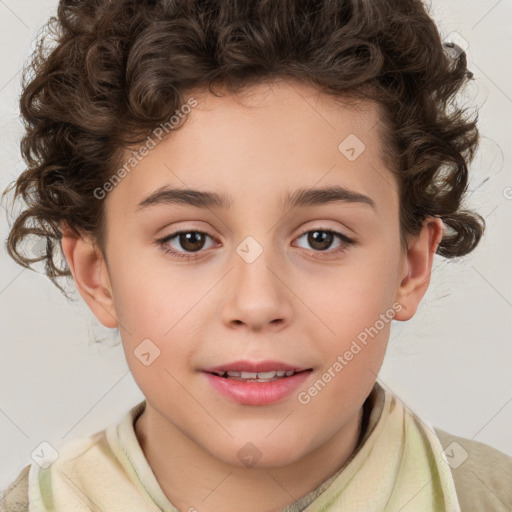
(398, 466)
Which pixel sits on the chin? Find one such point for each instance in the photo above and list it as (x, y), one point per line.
(260, 453)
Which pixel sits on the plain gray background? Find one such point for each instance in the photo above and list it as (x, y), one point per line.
(450, 363)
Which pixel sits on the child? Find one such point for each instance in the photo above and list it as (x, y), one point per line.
(250, 191)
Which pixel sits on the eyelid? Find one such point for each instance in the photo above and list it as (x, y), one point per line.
(328, 230)
(171, 236)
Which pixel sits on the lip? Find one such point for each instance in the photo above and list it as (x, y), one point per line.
(257, 393)
(254, 367)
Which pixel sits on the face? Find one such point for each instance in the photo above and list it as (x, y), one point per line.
(309, 284)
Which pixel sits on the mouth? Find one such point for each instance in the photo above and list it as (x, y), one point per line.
(260, 384)
(268, 376)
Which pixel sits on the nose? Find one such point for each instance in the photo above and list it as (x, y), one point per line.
(256, 296)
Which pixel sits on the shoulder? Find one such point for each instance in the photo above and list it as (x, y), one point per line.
(15, 497)
(482, 474)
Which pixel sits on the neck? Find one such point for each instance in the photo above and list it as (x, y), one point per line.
(192, 478)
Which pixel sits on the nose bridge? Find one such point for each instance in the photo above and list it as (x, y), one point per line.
(256, 295)
(254, 261)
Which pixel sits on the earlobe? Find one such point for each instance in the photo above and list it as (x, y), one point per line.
(91, 276)
(418, 267)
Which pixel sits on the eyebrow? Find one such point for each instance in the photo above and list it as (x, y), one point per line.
(299, 198)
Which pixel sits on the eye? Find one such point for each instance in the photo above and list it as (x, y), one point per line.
(321, 239)
(191, 241)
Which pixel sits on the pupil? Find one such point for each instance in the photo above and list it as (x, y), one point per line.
(324, 239)
(192, 241)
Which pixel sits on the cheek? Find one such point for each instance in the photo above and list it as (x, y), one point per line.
(352, 312)
(352, 350)
(153, 301)
(351, 297)
(158, 321)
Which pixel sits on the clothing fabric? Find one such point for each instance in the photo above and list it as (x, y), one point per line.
(398, 465)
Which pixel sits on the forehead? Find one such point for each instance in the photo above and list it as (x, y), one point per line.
(270, 138)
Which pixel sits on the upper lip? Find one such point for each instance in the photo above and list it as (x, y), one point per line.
(254, 367)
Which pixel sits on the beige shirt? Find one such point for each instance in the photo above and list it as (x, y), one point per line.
(482, 475)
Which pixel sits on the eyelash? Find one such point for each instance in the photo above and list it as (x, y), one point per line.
(192, 256)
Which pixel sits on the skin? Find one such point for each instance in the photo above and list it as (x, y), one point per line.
(295, 303)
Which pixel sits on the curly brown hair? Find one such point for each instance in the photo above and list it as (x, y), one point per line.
(115, 70)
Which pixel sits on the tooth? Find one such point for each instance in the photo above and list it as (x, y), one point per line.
(289, 373)
(280, 373)
(247, 375)
(234, 374)
(266, 375)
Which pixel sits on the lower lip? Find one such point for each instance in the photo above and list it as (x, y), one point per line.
(257, 393)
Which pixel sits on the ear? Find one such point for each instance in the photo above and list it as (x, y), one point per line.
(417, 267)
(90, 272)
